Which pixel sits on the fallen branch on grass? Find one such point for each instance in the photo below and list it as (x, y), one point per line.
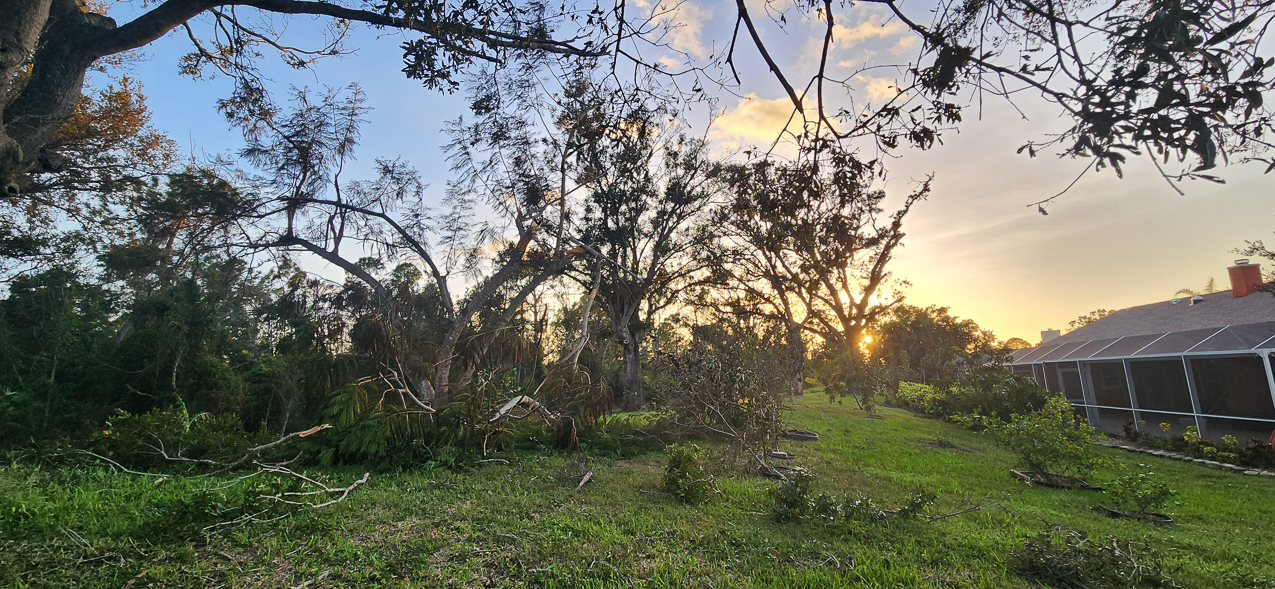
(254, 452)
(225, 467)
(322, 488)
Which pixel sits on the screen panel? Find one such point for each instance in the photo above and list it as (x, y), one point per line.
(1245, 430)
(1089, 349)
(1110, 387)
(1178, 342)
(1164, 424)
(1113, 420)
(1127, 346)
(1061, 351)
(1233, 386)
(1037, 352)
(1160, 385)
(1240, 337)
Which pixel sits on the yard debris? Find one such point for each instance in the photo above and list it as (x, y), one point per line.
(780, 455)
(1158, 519)
(775, 472)
(588, 476)
(319, 579)
(801, 435)
(1053, 480)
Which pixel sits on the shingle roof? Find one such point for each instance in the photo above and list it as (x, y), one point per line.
(1219, 323)
(1217, 310)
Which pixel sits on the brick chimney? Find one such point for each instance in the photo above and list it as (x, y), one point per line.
(1246, 278)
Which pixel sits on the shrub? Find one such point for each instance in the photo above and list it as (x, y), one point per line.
(1053, 442)
(143, 440)
(998, 397)
(686, 475)
(1069, 559)
(919, 397)
(732, 386)
(1142, 492)
(792, 499)
(793, 503)
(1256, 454)
(917, 502)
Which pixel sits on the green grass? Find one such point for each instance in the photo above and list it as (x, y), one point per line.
(525, 525)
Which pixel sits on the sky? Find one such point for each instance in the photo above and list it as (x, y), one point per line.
(975, 245)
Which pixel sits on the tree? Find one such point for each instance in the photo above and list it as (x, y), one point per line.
(810, 244)
(1087, 318)
(303, 205)
(1165, 78)
(1210, 287)
(60, 40)
(649, 191)
(55, 331)
(930, 346)
(1017, 343)
(112, 159)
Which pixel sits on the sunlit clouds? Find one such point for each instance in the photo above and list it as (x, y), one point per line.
(685, 21)
(878, 89)
(873, 27)
(754, 121)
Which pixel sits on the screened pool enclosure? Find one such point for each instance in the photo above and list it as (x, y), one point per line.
(1218, 379)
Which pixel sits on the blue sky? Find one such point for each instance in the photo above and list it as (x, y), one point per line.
(974, 246)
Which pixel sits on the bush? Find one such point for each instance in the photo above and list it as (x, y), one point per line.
(923, 398)
(792, 498)
(793, 503)
(1069, 559)
(996, 397)
(1054, 442)
(142, 441)
(1143, 492)
(732, 386)
(686, 475)
(1256, 454)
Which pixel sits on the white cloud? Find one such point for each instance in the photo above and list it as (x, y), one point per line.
(755, 119)
(861, 59)
(874, 26)
(671, 64)
(878, 88)
(904, 45)
(685, 22)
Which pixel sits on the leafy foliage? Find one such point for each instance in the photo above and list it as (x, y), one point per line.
(931, 346)
(1071, 559)
(794, 502)
(686, 474)
(1143, 491)
(1088, 318)
(729, 384)
(792, 498)
(1054, 442)
(1012, 394)
(1255, 452)
(172, 439)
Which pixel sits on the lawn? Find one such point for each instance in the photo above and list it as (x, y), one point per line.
(526, 525)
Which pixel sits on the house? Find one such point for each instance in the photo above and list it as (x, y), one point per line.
(1200, 361)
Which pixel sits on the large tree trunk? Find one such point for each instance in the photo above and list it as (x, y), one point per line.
(20, 28)
(67, 46)
(632, 399)
(797, 351)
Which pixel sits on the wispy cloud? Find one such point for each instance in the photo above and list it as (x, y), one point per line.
(878, 89)
(754, 120)
(685, 21)
(873, 26)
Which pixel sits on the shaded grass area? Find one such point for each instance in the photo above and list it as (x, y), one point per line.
(526, 525)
